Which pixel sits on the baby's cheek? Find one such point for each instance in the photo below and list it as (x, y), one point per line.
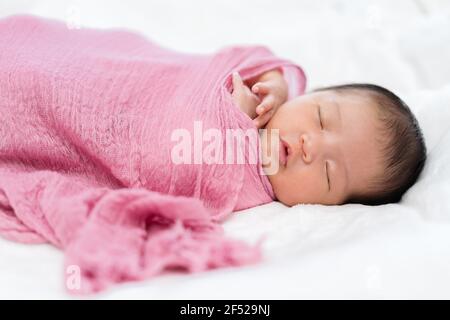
(301, 185)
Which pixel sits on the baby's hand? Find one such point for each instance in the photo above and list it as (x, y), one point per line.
(269, 91)
(272, 88)
(243, 97)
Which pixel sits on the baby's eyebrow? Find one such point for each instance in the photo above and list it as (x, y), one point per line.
(342, 161)
(333, 101)
(339, 113)
(338, 110)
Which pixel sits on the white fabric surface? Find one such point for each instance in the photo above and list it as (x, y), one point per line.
(312, 251)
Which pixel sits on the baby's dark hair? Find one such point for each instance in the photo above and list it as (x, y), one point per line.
(404, 150)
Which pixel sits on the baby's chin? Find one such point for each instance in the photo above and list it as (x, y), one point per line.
(280, 197)
(275, 178)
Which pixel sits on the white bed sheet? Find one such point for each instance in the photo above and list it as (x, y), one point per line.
(312, 251)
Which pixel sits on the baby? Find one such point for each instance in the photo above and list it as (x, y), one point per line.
(352, 143)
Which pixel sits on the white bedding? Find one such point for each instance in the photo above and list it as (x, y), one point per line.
(312, 251)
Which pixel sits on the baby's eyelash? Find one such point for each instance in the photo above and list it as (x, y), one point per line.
(328, 175)
(320, 117)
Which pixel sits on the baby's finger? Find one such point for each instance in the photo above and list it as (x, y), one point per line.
(262, 120)
(266, 105)
(261, 88)
(237, 81)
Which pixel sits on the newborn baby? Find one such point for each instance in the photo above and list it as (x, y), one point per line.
(355, 143)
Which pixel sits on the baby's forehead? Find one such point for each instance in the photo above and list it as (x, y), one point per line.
(348, 97)
(341, 93)
(352, 107)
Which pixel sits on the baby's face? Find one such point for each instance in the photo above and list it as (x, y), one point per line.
(332, 146)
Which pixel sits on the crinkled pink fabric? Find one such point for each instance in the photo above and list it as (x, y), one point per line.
(85, 151)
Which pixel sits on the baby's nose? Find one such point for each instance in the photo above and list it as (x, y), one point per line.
(306, 148)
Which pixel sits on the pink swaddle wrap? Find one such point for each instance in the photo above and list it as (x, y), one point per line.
(85, 152)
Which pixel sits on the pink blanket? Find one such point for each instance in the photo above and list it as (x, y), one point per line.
(86, 118)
